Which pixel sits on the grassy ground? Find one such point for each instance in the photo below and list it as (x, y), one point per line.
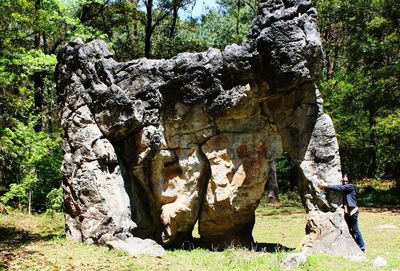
(37, 243)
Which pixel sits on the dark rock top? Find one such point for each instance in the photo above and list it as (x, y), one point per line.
(283, 50)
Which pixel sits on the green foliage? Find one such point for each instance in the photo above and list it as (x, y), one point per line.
(54, 199)
(388, 130)
(34, 160)
(351, 122)
(361, 88)
(30, 154)
(29, 38)
(186, 39)
(16, 191)
(377, 193)
(229, 24)
(117, 22)
(15, 23)
(29, 160)
(218, 30)
(285, 171)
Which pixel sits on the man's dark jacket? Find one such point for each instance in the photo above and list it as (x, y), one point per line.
(349, 193)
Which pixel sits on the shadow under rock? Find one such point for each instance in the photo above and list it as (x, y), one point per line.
(196, 243)
(271, 247)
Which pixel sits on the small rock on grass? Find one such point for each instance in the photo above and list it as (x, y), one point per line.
(136, 246)
(293, 260)
(379, 262)
(357, 258)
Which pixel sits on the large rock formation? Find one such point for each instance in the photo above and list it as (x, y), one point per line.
(153, 147)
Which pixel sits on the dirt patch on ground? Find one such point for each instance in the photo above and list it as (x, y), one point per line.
(386, 211)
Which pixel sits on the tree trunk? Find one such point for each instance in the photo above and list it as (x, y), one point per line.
(272, 184)
(371, 170)
(147, 44)
(38, 77)
(44, 43)
(331, 63)
(105, 27)
(331, 54)
(174, 19)
(238, 22)
(37, 34)
(29, 202)
(148, 29)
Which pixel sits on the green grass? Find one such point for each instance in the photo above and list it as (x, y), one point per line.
(37, 243)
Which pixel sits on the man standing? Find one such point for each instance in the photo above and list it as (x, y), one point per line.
(350, 208)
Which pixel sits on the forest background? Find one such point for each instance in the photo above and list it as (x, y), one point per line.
(360, 82)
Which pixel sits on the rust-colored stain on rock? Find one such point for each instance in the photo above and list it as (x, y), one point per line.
(243, 151)
(275, 104)
(262, 150)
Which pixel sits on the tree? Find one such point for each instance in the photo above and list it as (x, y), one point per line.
(36, 158)
(362, 90)
(155, 15)
(229, 23)
(117, 22)
(272, 190)
(30, 159)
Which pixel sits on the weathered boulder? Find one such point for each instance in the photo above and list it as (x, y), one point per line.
(293, 260)
(154, 146)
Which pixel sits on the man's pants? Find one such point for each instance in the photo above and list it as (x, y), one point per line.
(352, 222)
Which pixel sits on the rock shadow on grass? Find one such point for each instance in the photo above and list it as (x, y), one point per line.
(196, 243)
(12, 239)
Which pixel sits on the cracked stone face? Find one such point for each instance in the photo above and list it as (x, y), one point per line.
(153, 147)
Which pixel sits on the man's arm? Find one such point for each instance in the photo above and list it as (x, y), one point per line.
(338, 187)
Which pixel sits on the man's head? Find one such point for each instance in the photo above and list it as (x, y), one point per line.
(345, 179)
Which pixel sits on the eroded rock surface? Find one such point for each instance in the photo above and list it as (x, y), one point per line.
(155, 146)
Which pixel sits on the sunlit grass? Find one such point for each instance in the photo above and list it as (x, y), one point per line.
(37, 243)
